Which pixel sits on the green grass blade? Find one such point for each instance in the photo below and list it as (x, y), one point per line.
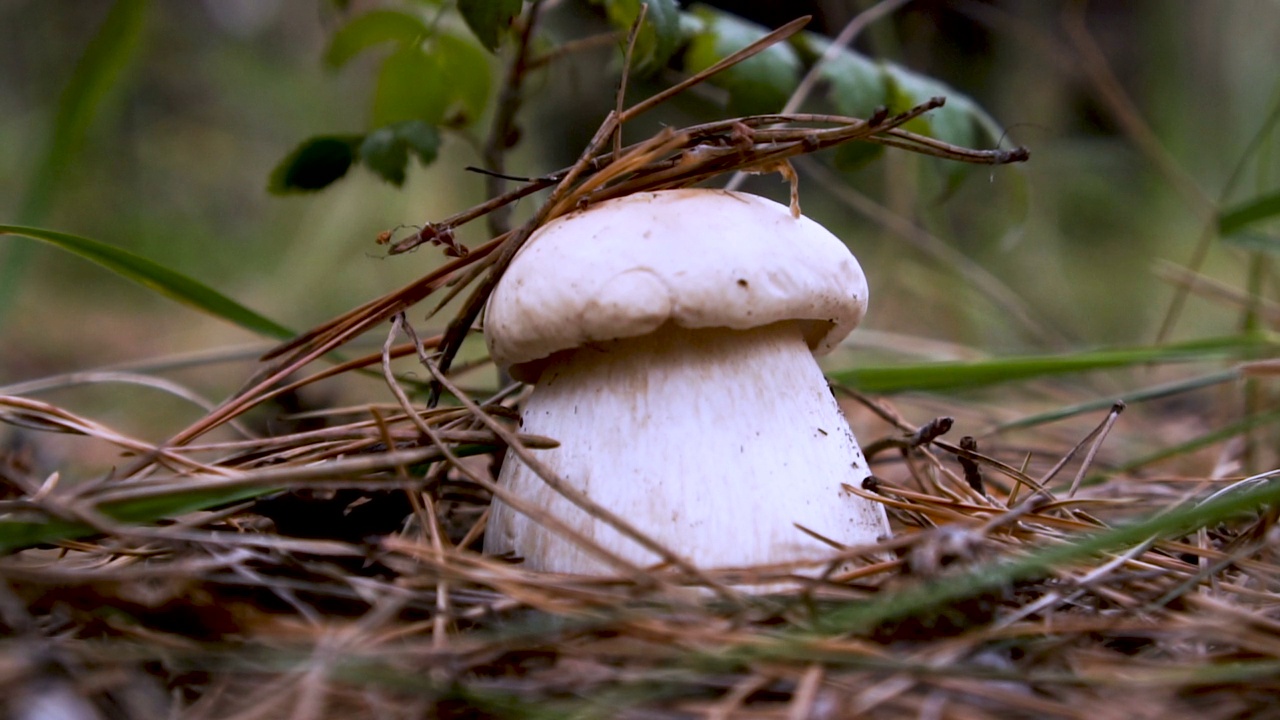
(17, 534)
(147, 506)
(1256, 210)
(104, 59)
(1225, 432)
(1154, 392)
(156, 277)
(971, 374)
(930, 597)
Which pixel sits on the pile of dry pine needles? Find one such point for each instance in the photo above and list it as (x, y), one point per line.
(336, 571)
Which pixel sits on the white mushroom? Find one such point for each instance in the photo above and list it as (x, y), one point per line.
(670, 337)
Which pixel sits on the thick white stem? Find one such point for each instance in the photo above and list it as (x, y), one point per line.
(715, 442)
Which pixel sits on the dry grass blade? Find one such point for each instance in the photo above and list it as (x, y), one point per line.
(724, 661)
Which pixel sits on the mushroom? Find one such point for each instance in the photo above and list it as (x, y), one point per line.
(670, 337)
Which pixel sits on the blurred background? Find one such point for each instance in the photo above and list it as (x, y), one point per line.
(1142, 117)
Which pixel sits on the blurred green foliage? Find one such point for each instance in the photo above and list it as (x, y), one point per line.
(105, 58)
(182, 111)
(435, 79)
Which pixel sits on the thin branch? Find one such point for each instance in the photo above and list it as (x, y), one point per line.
(627, 59)
(503, 128)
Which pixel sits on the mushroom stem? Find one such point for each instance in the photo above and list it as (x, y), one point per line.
(715, 442)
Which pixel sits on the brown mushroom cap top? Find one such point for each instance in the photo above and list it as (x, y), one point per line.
(694, 258)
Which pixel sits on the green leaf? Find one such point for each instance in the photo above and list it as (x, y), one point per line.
(961, 375)
(951, 123)
(760, 84)
(465, 70)
(659, 37)
(663, 17)
(444, 81)
(155, 277)
(856, 84)
(1235, 219)
(385, 154)
(421, 139)
(408, 88)
(373, 28)
(315, 164)
(489, 19)
(386, 150)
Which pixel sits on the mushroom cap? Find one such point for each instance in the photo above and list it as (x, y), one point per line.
(694, 258)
